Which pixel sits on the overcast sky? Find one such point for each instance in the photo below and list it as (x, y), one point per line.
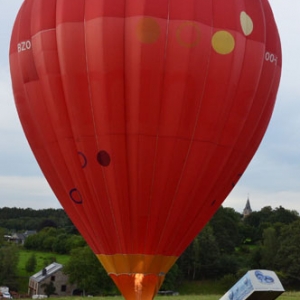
(272, 178)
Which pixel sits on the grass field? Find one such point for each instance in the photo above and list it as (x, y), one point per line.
(285, 296)
(42, 258)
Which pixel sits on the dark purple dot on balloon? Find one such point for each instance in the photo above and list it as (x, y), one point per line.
(82, 159)
(75, 196)
(213, 203)
(103, 158)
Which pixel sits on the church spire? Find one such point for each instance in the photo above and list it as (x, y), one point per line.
(247, 210)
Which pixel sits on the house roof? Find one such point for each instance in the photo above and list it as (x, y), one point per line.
(46, 272)
(18, 236)
(29, 232)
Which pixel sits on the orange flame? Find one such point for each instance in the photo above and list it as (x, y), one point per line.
(138, 280)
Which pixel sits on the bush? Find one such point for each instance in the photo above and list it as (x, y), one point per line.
(228, 281)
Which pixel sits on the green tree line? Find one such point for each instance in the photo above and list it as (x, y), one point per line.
(230, 245)
(20, 219)
(224, 250)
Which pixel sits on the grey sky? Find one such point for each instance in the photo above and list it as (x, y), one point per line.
(272, 178)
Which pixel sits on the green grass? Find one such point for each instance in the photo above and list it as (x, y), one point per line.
(290, 296)
(43, 259)
(285, 296)
(201, 288)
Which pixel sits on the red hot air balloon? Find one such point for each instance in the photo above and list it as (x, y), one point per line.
(143, 115)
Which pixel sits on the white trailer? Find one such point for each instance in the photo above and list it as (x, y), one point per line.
(256, 284)
(4, 289)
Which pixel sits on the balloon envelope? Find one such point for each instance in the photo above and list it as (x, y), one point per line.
(143, 115)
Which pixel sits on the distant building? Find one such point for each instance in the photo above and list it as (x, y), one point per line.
(247, 210)
(29, 232)
(19, 238)
(52, 273)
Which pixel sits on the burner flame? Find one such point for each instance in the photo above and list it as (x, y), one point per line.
(138, 282)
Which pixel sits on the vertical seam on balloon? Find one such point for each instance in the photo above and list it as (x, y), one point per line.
(258, 83)
(204, 209)
(79, 212)
(190, 145)
(93, 191)
(96, 135)
(138, 145)
(192, 191)
(209, 62)
(126, 150)
(157, 130)
(45, 148)
(234, 171)
(88, 77)
(46, 151)
(270, 88)
(128, 247)
(124, 104)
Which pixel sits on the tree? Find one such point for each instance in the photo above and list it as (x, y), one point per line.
(171, 279)
(47, 244)
(75, 241)
(2, 233)
(256, 258)
(185, 263)
(189, 262)
(9, 258)
(209, 254)
(53, 240)
(269, 248)
(85, 270)
(20, 219)
(31, 263)
(196, 255)
(285, 216)
(227, 264)
(287, 258)
(267, 217)
(49, 288)
(225, 225)
(60, 244)
(46, 224)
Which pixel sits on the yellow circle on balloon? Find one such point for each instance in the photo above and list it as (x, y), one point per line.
(223, 42)
(147, 30)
